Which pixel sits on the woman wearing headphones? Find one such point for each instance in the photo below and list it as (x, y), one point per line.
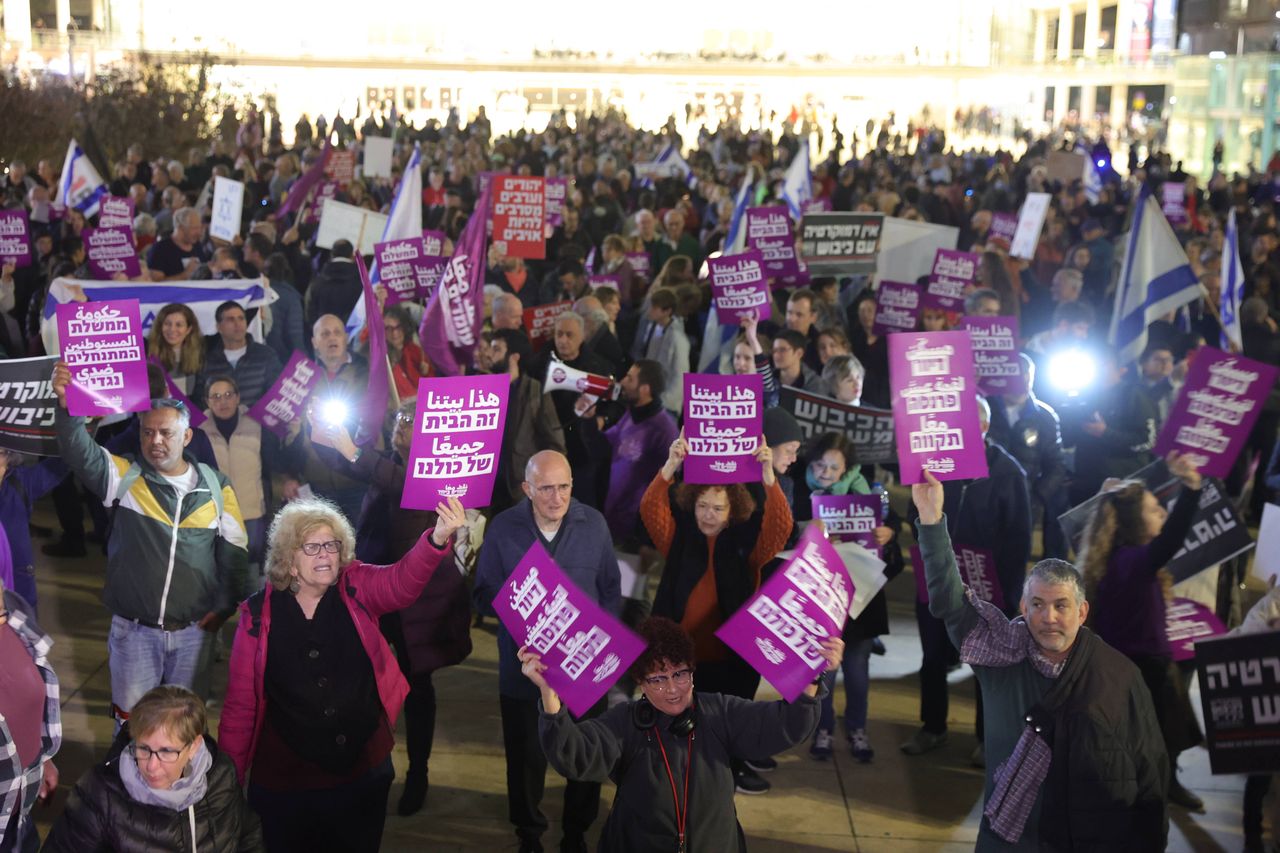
(669, 752)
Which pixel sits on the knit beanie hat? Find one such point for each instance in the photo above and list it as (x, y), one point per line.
(780, 427)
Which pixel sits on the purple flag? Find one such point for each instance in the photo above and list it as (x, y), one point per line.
(298, 192)
(897, 307)
(450, 330)
(457, 437)
(996, 362)
(175, 393)
(850, 518)
(557, 189)
(110, 251)
(1003, 227)
(584, 648)
(978, 571)
(935, 406)
(15, 238)
(114, 210)
(738, 286)
(722, 426)
(781, 629)
(373, 406)
(1187, 622)
(102, 346)
(287, 398)
(769, 230)
(1212, 417)
(953, 272)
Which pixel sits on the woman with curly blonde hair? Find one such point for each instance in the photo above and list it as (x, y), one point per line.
(175, 341)
(1128, 540)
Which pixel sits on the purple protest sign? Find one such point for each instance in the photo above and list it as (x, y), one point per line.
(1186, 622)
(769, 230)
(1217, 408)
(780, 631)
(430, 267)
(996, 362)
(722, 427)
(115, 211)
(457, 437)
(287, 398)
(110, 251)
(978, 571)
(397, 271)
(607, 280)
(326, 191)
(897, 307)
(849, 518)
(953, 272)
(102, 346)
(818, 205)
(935, 406)
(557, 189)
(1173, 201)
(738, 286)
(1003, 227)
(175, 393)
(640, 264)
(15, 238)
(584, 648)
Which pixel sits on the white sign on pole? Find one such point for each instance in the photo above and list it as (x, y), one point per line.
(1030, 221)
(907, 248)
(1266, 557)
(377, 157)
(347, 222)
(228, 204)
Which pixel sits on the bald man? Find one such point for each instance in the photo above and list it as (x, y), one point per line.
(508, 313)
(578, 539)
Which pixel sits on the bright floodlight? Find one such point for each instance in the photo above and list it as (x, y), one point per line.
(334, 411)
(1072, 371)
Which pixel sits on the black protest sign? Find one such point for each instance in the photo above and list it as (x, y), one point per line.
(27, 402)
(1217, 532)
(1240, 695)
(840, 243)
(870, 430)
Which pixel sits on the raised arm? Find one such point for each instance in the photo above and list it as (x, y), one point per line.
(399, 585)
(1169, 541)
(946, 592)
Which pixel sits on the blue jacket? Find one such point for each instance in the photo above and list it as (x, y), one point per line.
(287, 333)
(584, 552)
(22, 486)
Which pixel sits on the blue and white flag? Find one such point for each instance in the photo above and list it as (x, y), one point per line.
(1092, 180)
(202, 297)
(669, 164)
(736, 240)
(404, 222)
(716, 354)
(797, 185)
(1156, 278)
(1232, 288)
(80, 187)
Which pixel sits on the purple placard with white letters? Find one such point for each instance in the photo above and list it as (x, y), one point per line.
(397, 267)
(1212, 417)
(457, 436)
(15, 238)
(584, 648)
(326, 191)
(978, 571)
(115, 210)
(640, 264)
(996, 362)
(780, 631)
(738, 286)
(557, 189)
(430, 267)
(110, 252)
(102, 346)
(769, 230)
(722, 426)
(286, 400)
(952, 273)
(935, 406)
(607, 280)
(1187, 622)
(1173, 201)
(1003, 226)
(850, 518)
(897, 307)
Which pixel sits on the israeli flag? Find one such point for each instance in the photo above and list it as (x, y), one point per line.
(669, 163)
(1232, 288)
(715, 353)
(735, 241)
(404, 221)
(1092, 180)
(797, 186)
(1156, 278)
(81, 187)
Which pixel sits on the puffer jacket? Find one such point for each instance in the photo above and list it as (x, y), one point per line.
(101, 816)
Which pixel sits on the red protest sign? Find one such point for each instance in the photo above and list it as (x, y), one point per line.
(540, 321)
(341, 166)
(519, 213)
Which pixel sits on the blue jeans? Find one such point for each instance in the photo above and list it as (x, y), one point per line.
(857, 682)
(142, 658)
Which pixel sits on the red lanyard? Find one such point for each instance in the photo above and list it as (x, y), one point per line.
(682, 811)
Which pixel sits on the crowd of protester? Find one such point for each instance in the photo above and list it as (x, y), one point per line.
(348, 603)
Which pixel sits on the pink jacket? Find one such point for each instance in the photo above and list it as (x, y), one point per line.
(368, 591)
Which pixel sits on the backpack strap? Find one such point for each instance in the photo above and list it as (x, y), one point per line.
(210, 479)
(255, 603)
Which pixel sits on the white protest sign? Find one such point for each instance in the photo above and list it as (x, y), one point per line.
(377, 157)
(1266, 557)
(1065, 166)
(348, 222)
(228, 203)
(1030, 221)
(907, 248)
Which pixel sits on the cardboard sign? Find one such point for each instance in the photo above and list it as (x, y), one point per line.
(953, 273)
(722, 427)
(114, 210)
(339, 221)
(850, 518)
(27, 404)
(1240, 695)
(540, 321)
(738, 287)
(935, 406)
(377, 157)
(870, 430)
(519, 213)
(556, 191)
(1188, 622)
(1030, 222)
(228, 209)
(15, 238)
(102, 346)
(1173, 201)
(457, 436)
(1065, 166)
(584, 648)
(840, 243)
(780, 631)
(897, 307)
(995, 354)
(1212, 417)
(287, 398)
(769, 230)
(111, 252)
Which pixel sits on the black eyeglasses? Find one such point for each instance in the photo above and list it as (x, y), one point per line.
(679, 678)
(311, 549)
(141, 753)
